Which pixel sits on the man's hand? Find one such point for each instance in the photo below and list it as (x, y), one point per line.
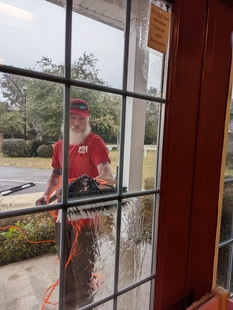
(52, 182)
(41, 201)
(105, 173)
(58, 193)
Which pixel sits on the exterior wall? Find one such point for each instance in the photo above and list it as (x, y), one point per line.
(198, 81)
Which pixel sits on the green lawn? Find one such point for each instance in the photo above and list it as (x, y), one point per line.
(45, 163)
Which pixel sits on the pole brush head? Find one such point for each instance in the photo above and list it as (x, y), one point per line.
(85, 187)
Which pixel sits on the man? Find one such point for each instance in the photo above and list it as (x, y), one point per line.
(87, 155)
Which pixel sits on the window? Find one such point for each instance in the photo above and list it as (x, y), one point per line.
(225, 259)
(108, 64)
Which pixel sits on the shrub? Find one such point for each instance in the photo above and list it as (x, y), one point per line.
(34, 144)
(114, 148)
(36, 227)
(16, 148)
(45, 151)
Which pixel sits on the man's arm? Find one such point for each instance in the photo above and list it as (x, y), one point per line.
(105, 173)
(52, 182)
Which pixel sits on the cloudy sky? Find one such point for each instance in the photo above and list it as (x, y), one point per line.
(32, 29)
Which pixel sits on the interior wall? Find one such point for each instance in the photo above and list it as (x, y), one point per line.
(197, 90)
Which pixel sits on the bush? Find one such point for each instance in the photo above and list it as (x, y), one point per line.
(34, 144)
(16, 148)
(36, 227)
(45, 151)
(114, 148)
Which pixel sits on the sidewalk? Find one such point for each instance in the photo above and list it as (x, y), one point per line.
(23, 284)
(17, 201)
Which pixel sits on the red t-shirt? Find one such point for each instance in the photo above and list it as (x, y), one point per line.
(83, 158)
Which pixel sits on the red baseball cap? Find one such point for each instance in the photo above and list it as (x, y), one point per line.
(79, 106)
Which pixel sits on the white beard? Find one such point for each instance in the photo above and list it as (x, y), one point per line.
(77, 138)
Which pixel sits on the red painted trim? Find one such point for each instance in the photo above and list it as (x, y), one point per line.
(193, 138)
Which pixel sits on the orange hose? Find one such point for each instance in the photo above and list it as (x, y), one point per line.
(32, 242)
(49, 291)
(77, 228)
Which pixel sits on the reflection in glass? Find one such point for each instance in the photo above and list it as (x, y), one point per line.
(224, 272)
(224, 266)
(227, 213)
(146, 66)
(229, 155)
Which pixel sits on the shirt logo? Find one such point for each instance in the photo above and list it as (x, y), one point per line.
(83, 149)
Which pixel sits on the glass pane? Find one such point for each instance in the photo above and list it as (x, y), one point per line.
(30, 122)
(36, 28)
(141, 138)
(146, 66)
(98, 38)
(135, 247)
(105, 112)
(229, 155)
(90, 254)
(28, 256)
(224, 272)
(151, 144)
(224, 264)
(32, 110)
(106, 306)
(136, 299)
(227, 212)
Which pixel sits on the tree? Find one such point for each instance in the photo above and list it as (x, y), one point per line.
(3, 107)
(44, 107)
(152, 118)
(84, 69)
(105, 108)
(13, 92)
(11, 123)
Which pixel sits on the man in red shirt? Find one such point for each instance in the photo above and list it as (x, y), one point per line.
(87, 155)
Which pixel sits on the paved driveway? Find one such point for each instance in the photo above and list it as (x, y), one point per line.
(12, 177)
